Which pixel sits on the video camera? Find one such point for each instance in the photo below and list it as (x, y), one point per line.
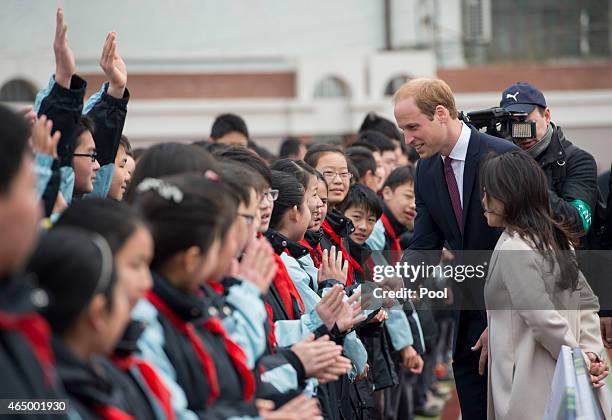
(501, 123)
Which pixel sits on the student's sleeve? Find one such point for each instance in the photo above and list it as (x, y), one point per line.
(245, 325)
(376, 241)
(398, 328)
(43, 168)
(108, 115)
(301, 279)
(289, 332)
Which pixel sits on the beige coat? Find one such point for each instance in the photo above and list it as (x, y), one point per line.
(529, 319)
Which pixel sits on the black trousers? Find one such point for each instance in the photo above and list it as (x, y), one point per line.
(471, 387)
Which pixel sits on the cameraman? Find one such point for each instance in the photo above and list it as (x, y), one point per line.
(572, 178)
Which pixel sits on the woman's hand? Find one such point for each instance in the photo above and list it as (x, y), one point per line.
(598, 370)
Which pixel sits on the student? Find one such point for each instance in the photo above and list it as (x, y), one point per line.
(123, 170)
(364, 161)
(394, 228)
(25, 349)
(132, 246)
(292, 148)
(406, 155)
(230, 129)
(88, 310)
(312, 237)
(384, 145)
(332, 163)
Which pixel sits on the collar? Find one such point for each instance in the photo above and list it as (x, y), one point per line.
(398, 228)
(313, 238)
(343, 226)
(127, 345)
(360, 253)
(555, 152)
(281, 243)
(460, 150)
(186, 306)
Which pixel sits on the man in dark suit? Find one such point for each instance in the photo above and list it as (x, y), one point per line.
(450, 214)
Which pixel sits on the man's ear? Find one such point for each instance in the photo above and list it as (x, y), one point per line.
(547, 115)
(387, 193)
(441, 114)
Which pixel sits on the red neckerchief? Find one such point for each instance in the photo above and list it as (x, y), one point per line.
(216, 286)
(153, 381)
(395, 241)
(316, 253)
(339, 243)
(189, 330)
(108, 412)
(285, 287)
(272, 334)
(36, 331)
(236, 355)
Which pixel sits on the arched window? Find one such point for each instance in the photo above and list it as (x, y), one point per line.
(17, 90)
(332, 87)
(395, 83)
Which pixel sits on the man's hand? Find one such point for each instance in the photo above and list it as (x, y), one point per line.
(606, 331)
(598, 370)
(483, 345)
(113, 66)
(42, 141)
(65, 65)
(332, 267)
(257, 265)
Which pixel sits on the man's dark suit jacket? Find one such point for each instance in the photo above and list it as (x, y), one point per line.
(435, 226)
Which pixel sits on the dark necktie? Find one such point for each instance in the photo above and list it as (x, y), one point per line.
(453, 191)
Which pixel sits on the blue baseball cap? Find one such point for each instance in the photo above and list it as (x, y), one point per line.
(522, 97)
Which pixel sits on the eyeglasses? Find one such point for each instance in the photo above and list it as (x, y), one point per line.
(249, 218)
(270, 195)
(93, 155)
(330, 175)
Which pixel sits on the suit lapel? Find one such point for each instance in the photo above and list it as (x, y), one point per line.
(472, 163)
(444, 196)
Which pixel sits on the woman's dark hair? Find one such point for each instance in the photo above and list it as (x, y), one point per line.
(321, 178)
(519, 183)
(399, 176)
(380, 141)
(290, 194)
(246, 157)
(363, 160)
(362, 197)
(169, 159)
(316, 151)
(123, 141)
(72, 266)
(302, 171)
(14, 132)
(240, 180)
(227, 123)
(85, 124)
(375, 122)
(113, 220)
(185, 210)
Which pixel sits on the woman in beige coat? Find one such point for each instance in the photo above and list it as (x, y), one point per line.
(537, 299)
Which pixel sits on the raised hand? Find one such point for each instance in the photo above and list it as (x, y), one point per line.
(113, 66)
(65, 65)
(332, 266)
(257, 265)
(350, 315)
(42, 141)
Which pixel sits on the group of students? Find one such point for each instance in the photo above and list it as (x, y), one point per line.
(197, 281)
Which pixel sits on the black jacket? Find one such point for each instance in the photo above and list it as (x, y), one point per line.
(24, 373)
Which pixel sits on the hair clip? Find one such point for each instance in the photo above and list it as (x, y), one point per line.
(166, 191)
(211, 175)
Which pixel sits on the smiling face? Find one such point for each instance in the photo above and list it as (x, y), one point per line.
(319, 215)
(427, 136)
(334, 168)
(401, 202)
(314, 202)
(363, 221)
(121, 175)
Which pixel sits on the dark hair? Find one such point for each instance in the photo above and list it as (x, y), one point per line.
(72, 266)
(123, 141)
(381, 142)
(185, 210)
(362, 143)
(14, 135)
(290, 194)
(169, 159)
(321, 178)
(302, 171)
(85, 124)
(241, 179)
(113, 220)
(363, 197)
(374, 122)
(289, 146)
(519, 183)
(399, 176)
(261, 151)
(363, 160)
(316, 151)
(138, 152)
(246, 157)
(227, 123)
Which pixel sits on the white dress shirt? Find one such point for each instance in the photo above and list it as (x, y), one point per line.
(458, 155)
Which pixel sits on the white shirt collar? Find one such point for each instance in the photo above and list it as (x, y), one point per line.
(459, 152)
